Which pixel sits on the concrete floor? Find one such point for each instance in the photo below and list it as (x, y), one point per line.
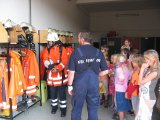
(43, 113)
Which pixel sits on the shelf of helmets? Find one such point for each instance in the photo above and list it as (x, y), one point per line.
(13, 40)
(64, 36)
(13, 34)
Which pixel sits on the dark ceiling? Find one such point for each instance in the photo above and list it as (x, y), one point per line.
(117, 5)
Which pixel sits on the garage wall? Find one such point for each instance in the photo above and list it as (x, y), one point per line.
(136, 23)
(59, 14)
(16, 10)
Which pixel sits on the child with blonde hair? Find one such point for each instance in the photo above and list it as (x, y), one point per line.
(122, 75)
(137, 61)
(148, 77)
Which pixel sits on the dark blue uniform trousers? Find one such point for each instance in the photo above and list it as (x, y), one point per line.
(85, 87)
(58, 92)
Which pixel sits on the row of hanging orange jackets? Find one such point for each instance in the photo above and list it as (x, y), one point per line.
(23, 77)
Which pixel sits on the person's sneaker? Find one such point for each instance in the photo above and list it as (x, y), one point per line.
(63, 114)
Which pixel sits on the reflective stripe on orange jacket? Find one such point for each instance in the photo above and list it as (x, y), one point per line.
(31, 71)
(55, 78)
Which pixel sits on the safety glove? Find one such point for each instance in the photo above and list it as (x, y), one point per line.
(70, 89)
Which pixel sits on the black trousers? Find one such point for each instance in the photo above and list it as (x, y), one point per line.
(58, 96)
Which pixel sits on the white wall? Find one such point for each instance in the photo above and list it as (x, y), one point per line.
(16, 10)
(135, 23)
(59, 14)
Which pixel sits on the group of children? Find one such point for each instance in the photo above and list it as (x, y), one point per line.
(130, 82)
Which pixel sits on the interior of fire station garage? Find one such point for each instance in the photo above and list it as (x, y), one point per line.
(110, 21)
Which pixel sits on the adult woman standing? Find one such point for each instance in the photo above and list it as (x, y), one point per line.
(127, 44)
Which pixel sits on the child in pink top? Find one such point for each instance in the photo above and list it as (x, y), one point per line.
(122, 75)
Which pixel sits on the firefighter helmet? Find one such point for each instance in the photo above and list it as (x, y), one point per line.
(52, 36)
(9, 23)
(24, 24)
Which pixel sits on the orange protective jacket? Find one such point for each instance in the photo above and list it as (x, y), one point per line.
(69, 50)
(4, 97)
(55, 78)
(42, 67)
(17, 83)
(15, 86)
(31, 71)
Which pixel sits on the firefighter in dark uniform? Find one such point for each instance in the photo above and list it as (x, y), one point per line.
(84, 65)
